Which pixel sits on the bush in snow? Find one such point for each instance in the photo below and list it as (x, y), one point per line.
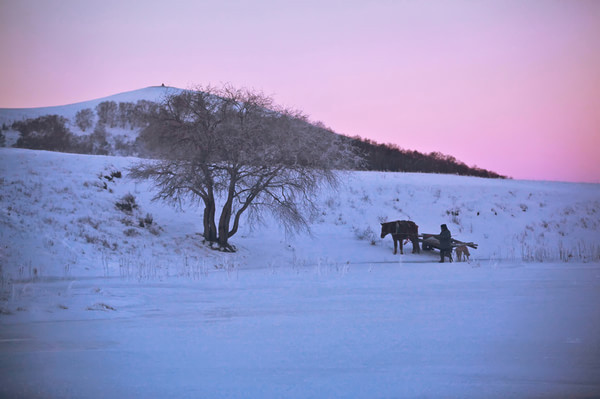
(88, 220)
(127, 203)
(146, 221)
(366, 234)
(131, 232)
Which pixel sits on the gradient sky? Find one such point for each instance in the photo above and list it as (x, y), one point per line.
(509, 86)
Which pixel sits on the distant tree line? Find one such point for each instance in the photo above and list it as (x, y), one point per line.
(389, 157)
(51, 132)
(110, 114)
(2, 137)
(47, 132)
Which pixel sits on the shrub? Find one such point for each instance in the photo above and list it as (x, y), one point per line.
(127, 203)
(88, 220)
(148, 219)
(131, 232)
(127, 222)
(366, 234)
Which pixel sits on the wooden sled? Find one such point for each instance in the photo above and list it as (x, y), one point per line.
(429, 241)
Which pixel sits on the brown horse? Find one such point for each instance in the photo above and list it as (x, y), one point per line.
(402, 230)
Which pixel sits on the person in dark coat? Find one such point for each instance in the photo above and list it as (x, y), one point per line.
(445, 238)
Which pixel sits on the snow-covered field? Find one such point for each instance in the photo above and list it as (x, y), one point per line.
(92, 305)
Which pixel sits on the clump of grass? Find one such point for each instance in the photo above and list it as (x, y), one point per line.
(127, 203)
(88, 220)
(366, 234)
(146, 221)
(131, 232)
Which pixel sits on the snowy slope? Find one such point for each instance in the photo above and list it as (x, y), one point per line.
(151, 93)
(94, 305)
(58, 215)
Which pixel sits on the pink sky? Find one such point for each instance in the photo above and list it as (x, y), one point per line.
(510, 86)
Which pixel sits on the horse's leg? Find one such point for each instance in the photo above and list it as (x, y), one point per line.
(401, 245)
(395, 244)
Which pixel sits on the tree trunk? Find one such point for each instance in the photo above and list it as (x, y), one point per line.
(238, 214)
(224, 225)
(225, 218)
(210, 228)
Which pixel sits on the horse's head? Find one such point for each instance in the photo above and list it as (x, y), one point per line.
(386, 228)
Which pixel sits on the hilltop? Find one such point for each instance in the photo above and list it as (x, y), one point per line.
(151, 93)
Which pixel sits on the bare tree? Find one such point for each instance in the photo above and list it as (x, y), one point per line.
(107, 112)
(84, 119)
(236, 148)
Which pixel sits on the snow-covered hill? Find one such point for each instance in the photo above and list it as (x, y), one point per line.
(151, 93)
(96, 301)
(115, 132)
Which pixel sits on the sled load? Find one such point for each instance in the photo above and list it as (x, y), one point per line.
(429, 241)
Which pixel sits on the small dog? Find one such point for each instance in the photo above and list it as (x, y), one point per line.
(462, 251)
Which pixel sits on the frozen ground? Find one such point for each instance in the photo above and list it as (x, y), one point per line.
(93, 305)
(368, 331)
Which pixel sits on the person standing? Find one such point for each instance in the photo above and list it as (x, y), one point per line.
(445, 238)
